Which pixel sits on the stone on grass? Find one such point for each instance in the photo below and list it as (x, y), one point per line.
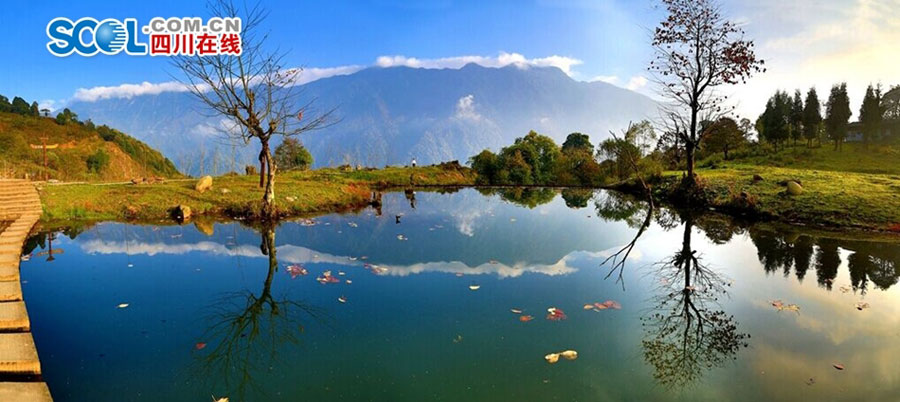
(204, 184)
(793, 188)
(757, 178)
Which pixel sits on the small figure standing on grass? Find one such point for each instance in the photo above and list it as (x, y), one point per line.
(413, 162)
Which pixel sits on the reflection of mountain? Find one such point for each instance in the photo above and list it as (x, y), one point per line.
(463, 227)
(868, 261)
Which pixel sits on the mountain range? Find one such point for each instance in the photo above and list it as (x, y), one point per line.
(387, 116)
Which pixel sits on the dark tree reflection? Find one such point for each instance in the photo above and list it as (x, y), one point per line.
(249, 330)
(869, 261)
(686, 332)
(577, 198)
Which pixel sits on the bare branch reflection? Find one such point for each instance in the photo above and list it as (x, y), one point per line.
(249, 330)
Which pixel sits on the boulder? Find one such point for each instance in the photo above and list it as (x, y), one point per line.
(225, 191)
(205, 183)
(131, 211)
(181, 213)
(794, 188)
(757, 178)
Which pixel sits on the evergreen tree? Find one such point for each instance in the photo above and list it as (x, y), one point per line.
(20, 106)
(870, 114)
(796, 117)
(812, 117)
(34, 109)
(837, 115)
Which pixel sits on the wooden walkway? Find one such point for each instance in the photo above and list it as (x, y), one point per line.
(20, 368)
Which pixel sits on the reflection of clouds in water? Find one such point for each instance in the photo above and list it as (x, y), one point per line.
(465, 222)
(300, 255)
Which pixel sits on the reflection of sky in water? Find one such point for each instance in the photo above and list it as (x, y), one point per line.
(393, 339)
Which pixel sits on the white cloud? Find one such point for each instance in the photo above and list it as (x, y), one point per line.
(609, 79)
(465, 108)
(637, 82)
(50, 104)
(127, 91)
(502, 60)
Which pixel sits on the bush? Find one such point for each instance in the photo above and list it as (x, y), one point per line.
(292, 155)
(98, 161)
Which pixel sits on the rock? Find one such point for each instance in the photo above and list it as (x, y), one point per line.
(204, 226)
(757, 178)
(794, 188)
(290, 199)
(181, 213)
(204, 184)
(225, 191)
(250, 170)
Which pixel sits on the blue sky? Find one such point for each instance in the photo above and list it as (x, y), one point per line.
(805, 42)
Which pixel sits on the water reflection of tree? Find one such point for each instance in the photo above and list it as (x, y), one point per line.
(577, 198)
(869, 261)
(529, 197)
(686, 332)
(249, 330)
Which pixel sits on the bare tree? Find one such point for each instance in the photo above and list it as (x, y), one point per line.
(698, 50)
(254, 90)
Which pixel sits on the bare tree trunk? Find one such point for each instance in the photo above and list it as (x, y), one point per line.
(262, 166)
(269, 195)
(689, 160)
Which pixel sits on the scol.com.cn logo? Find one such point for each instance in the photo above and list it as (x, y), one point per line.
(186, 36)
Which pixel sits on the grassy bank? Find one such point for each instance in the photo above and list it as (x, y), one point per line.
(297, 193)
(830, 199)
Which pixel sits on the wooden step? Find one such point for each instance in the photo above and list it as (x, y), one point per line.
(18, 355)
(14, 317)
(25, 392)
(10, 291)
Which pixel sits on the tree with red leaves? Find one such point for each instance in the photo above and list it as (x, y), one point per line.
(698, 51)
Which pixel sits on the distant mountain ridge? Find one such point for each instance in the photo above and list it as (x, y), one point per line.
(390, 115)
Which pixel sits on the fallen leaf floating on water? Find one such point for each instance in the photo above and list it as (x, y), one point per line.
(122, 305)
(515, 311)
(349, 281)
(612, 304)
(525, 318)
(327, 278)
(844, 289)
(199, 346)
(474, 287)
(861, 305)
(402, 237)
(458, 339)
(810, 381)
(567, 354)
(341, 273)
(296, 270)
(222, 399)
(352, 224)
(838, 366)
(589, 307)
(777, 304)
(555, 314)
(458, 274)
(791, 307)
(342, 299)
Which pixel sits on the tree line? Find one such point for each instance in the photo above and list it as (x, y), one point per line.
(788, 118)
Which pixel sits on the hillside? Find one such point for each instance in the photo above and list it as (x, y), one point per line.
(85, 152)
(390, 115)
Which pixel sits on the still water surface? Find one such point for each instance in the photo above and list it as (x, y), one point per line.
(225, 310)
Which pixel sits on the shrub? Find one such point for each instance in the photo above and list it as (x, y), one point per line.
(292, 155)
(97, 161)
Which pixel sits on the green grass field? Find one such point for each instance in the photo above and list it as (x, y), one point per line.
(297, 193)
(853, 188)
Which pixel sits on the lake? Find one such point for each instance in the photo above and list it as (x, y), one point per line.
(447, 297)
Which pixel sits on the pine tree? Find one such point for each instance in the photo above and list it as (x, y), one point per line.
(871, 114)
(812, 117)
(837, 115)
(796, 117)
